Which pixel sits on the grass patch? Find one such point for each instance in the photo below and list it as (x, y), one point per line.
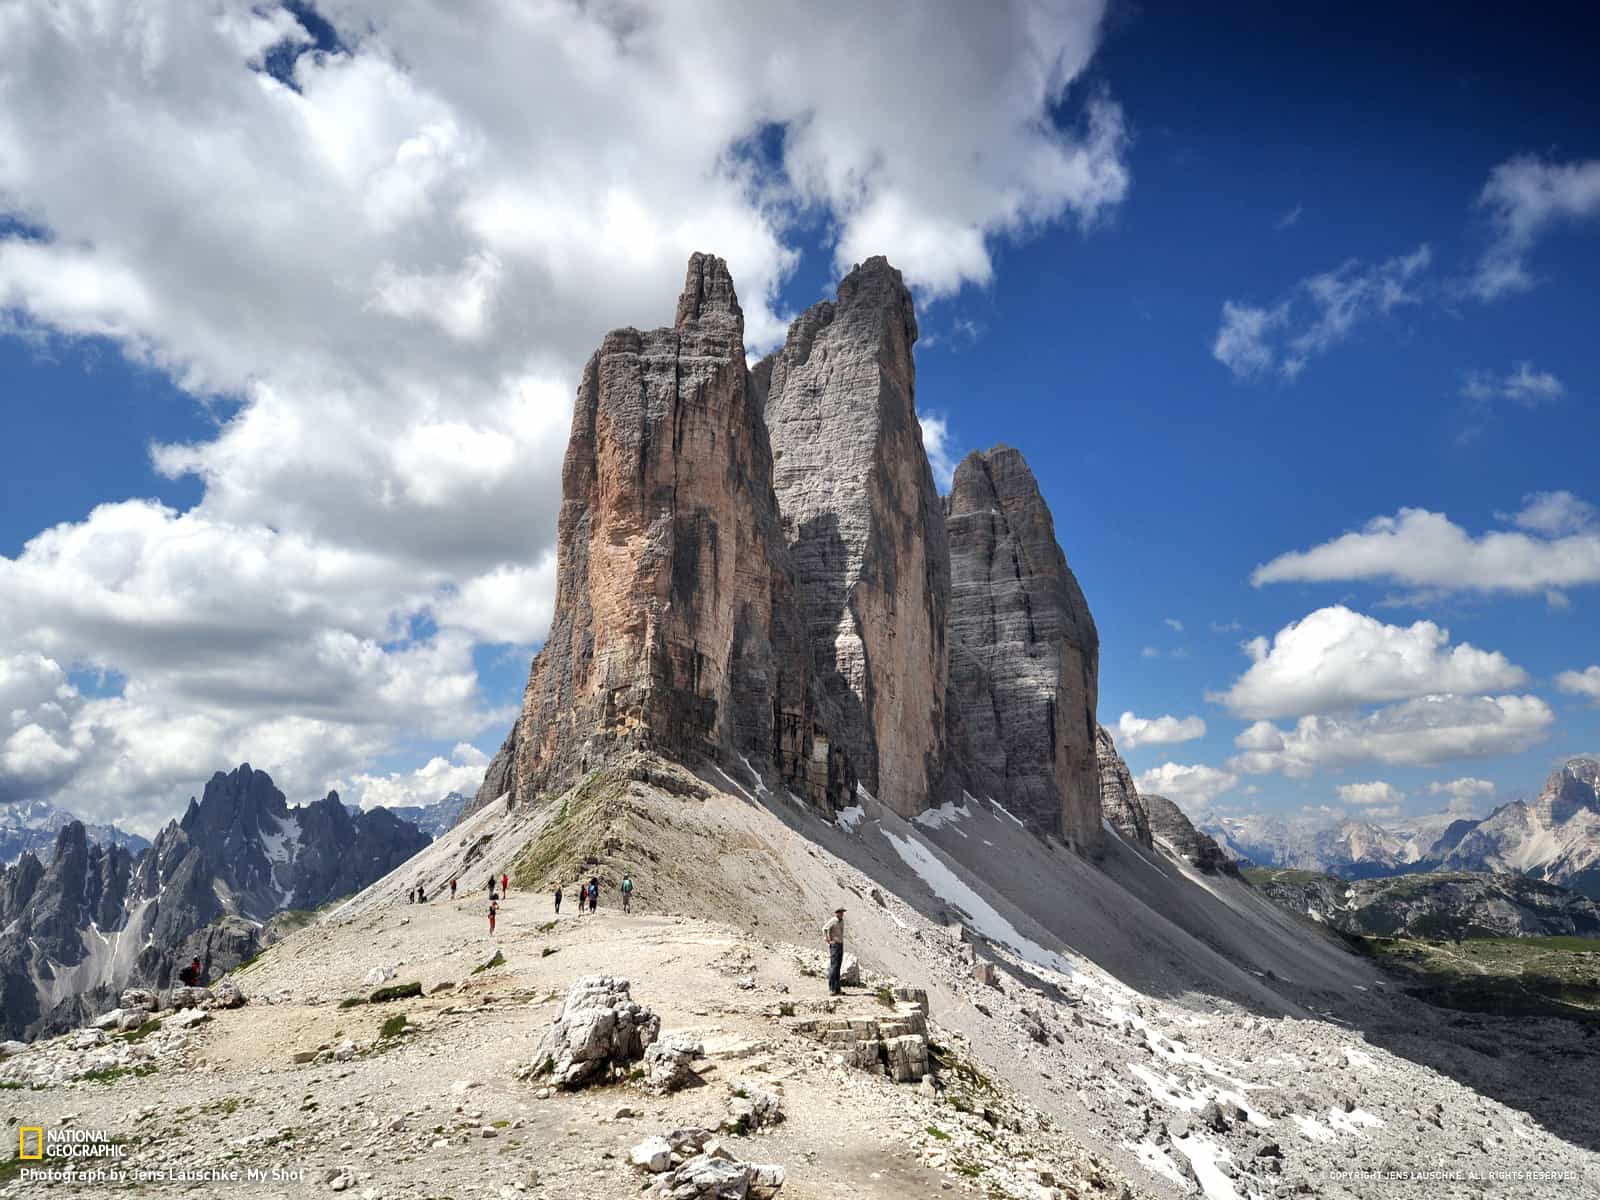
(222, 1108)
(11, 1170)
(935, 1132)
(393, 1027)
(139, 1034)
(499, 960)
(112, 1074)
(547, 927)
(1514, 977)
(885, 996)
(395, 991)
(352, 1001)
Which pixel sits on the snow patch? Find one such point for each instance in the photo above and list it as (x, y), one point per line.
(1358, 1058)
(1004, 810)
(848, 818)
(761, 787)
(1157, 1161)
(981, 915)
(1312, 1129)
(946, 814)
(1204, 1155)
(1352, 1122)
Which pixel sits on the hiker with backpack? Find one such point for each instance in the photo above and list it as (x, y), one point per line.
(627, 893)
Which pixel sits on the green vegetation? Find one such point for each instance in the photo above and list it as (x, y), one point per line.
(884, 995)
(225, 1107)
(1265, 875)
(1532, 977)
(574, 831)
(395, 991)
(139, 1034)
(11, 1170)
(352, 1001)
(393, 1027)
(112, 1074)
(499, 960)
(935, 1131)
(547, 927)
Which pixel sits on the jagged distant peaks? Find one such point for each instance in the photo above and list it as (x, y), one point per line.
(33, 825)
(755, 568)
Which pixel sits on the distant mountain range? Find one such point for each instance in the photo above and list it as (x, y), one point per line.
(34, 824)
(433, 819)
(96, 918)
(1554, 838)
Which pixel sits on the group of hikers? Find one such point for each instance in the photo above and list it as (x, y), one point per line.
(588, 895)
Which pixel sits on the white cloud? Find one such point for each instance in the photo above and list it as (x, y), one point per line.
(1419, 548)
(1156, 731)
(1371, 795)
(1149, 652)
(1465, 794)
(438, 777)
(1336, 658)
(1290, 218)
(385, 279)
(1319, 312)
(1553, 514)
(1581, 683)
(1523, 384)
(1526, 197)
(941, 453)
(1189, 786)
(1422, 732)
(1173, 624)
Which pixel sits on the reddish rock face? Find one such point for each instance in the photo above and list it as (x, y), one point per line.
(675, 625)
(865, 527)
(1024, 654)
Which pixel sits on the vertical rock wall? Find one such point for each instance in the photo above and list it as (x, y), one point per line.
(1024, 654)
(865, 527)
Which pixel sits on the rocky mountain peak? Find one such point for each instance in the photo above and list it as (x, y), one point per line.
(1120, 802)
(1024, 653)
(865, 528)
(708, 294)
(1568, 791)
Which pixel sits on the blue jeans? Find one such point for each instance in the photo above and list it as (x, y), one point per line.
(835, 965)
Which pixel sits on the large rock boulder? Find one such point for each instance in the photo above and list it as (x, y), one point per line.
(676, 623)
(866, 527)
(1024, 653)
(1120, 802)
(600, 1027)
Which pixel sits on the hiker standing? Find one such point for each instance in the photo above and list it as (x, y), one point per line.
(833, 931)
(493, 909)
(492, 893)
(422, 894)
(594, 892)
(411, 896)
(505, 885)
(627, 893)
(558, 899)
(452, 889)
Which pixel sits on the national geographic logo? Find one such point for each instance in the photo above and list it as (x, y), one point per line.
(36, 1143)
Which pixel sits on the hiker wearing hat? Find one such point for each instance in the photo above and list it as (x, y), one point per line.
(833, 931)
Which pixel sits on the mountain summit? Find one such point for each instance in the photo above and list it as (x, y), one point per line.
(756, 570)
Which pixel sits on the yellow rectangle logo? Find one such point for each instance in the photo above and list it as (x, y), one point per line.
(38, 1142)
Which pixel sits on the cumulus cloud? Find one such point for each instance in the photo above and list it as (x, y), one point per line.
(384, 275)
(1371, 795)
(438, 777)
(1584, 683)
(1157, 731)
(1466, 794)
(1337, 658)
(1319, 312)
(1419, 548)
(1422, 732)
(1525, 198)
(1553, 514)
(941, 451)
(1192, 786)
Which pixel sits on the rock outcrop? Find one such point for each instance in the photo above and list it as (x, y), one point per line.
(1024, 654)
(865, 525)
(1169, 826)
(600, 1028)
(1120, 802)
(676, 626)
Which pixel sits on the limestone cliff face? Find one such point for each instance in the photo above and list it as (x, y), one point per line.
(676, 626)
(1170, 826)
(1024, 653)
(1120, 801)
(865, 527)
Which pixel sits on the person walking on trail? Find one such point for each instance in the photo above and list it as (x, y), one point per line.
(627, 893)
(452, 889)
(594, 892)
(492, 893)
(422, 894)
(558, 899)
(833, 932)
(505, 885)
(493, 909)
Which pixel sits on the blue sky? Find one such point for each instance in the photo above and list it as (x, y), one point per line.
(1237, 284)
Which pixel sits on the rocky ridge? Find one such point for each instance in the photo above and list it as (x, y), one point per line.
(1120, 802)
(97, 920)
